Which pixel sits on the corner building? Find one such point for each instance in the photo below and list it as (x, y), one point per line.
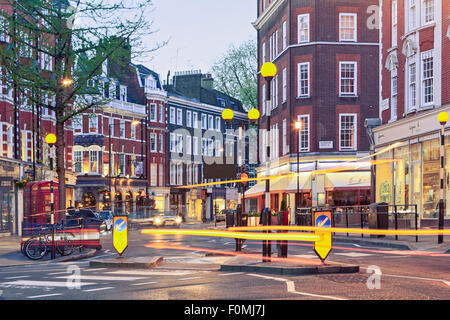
(327, 56)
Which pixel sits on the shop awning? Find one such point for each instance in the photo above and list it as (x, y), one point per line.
(348, 180)
(282, 184)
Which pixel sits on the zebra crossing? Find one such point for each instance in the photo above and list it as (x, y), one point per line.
(54, 283)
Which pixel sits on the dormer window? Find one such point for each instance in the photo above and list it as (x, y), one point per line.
(150, 83)
(123, 93)
(222, 102)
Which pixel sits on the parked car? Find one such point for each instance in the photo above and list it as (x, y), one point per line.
(88, 217)
(108, 218)
(221, 216)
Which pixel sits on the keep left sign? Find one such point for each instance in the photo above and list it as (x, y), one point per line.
(120, 233)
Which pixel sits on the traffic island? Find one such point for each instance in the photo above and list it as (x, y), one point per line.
(129, 263)
(241, 264)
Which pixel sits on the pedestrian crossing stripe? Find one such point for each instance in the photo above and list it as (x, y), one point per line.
(34, 283)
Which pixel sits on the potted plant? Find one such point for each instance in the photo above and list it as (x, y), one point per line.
(253, 219)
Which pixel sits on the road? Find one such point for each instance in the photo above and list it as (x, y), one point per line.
(192, 275)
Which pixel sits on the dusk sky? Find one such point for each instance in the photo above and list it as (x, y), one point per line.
(199, 32)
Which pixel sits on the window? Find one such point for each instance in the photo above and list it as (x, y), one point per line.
(303, 79)
(195, 120)
(284, 35)
(161, 143)
(93, 124)
(195, 145)
(46, 62)
(347, 131)
(204, 147)
(180, 174)
(394, 22)
(4, 36)
(428, 11)
(263, 53)
(123, 93)
(218, 123)
(411, 86)
(153, 142)
(284, 136)
(347, 27)
(179, 117)
(122, 129)
(173, 172)
(210, 122)
(180, 143)
(153, 174)
(427, 77)
(161, 175)
(188, 118)
(411, 14)
(161, 113)
(263, 100)
(133, 131)
(172, 115)
(218, 147)
(284, 85)
(93, 161)
(210, 147)
(271, 48)
(275, 92)
(276, 44)
(122, 164)
(303, 134)
(347, 78)
(172, 142)
(153, 112)
(303, 28)
(394, 88)
(188, 145)
(204, 122)
(77, 161)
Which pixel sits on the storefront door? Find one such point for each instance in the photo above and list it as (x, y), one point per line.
(5, 210)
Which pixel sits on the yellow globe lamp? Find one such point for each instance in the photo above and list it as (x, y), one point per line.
(50, 138)
(443, 118)
(268, 70)
(227, 115)
(253, 115)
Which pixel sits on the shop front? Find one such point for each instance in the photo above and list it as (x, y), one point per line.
(410, 172)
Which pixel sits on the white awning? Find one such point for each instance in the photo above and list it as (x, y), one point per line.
(282, 184)
(353, 180)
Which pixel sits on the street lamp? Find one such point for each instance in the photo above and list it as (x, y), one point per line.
(51, 140)
(298, 126)
(442, 118)
(268, 71)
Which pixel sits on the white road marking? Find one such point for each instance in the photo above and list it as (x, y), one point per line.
(291, 287)
(230, 274)
(45, 295)
(92, 270)
(151, 273)
(32, 283)
(353, 254)
(8, 278)
(415, 278)
(143, 283)
(305, 256)
(98, 289)
(191, 278)
(105, 278)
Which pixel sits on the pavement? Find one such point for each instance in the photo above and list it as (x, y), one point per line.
(10, 254)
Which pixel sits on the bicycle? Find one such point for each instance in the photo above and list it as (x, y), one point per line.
(38, 246)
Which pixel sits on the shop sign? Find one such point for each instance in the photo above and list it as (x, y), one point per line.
(325, 144)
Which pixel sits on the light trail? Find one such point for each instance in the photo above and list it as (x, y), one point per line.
(249, 256)
(237, 235)
(410, 232)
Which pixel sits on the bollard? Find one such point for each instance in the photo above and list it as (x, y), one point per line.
(283, 220)
(265, 217)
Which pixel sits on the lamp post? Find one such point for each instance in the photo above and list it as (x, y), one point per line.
(253, 116)
(268, 71)
(298, 126)
(51, 140)
(442, 118)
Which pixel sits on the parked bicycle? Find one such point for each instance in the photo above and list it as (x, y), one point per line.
(40, 244)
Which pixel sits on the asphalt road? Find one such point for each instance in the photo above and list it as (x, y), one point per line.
(191, 275)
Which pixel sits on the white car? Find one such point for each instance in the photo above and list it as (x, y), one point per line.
(166, 220)
(107, 217)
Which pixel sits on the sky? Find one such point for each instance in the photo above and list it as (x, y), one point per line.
(199, 32)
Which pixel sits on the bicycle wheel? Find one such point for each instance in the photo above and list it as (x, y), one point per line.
(65, 247)
(35, 249)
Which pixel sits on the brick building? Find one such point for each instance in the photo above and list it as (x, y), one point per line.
(327, 58)
(415, 78)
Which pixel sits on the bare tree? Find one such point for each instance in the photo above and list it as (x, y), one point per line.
(52, 48)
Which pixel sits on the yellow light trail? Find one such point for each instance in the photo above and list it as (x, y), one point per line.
(410, 232)
(237, 235)
(303, 261)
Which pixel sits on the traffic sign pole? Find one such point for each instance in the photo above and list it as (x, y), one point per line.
(120, 233)
(322, 247)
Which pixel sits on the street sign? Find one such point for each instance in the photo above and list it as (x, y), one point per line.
(322, 247)
(120, 233)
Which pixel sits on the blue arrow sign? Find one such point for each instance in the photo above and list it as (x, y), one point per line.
(120, 225)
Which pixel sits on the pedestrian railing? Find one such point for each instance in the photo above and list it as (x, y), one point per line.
(375, 216)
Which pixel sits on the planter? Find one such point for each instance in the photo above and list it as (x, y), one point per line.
(274, 220)
(253, 221)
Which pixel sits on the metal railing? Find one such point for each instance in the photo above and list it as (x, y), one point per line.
(360, 215)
